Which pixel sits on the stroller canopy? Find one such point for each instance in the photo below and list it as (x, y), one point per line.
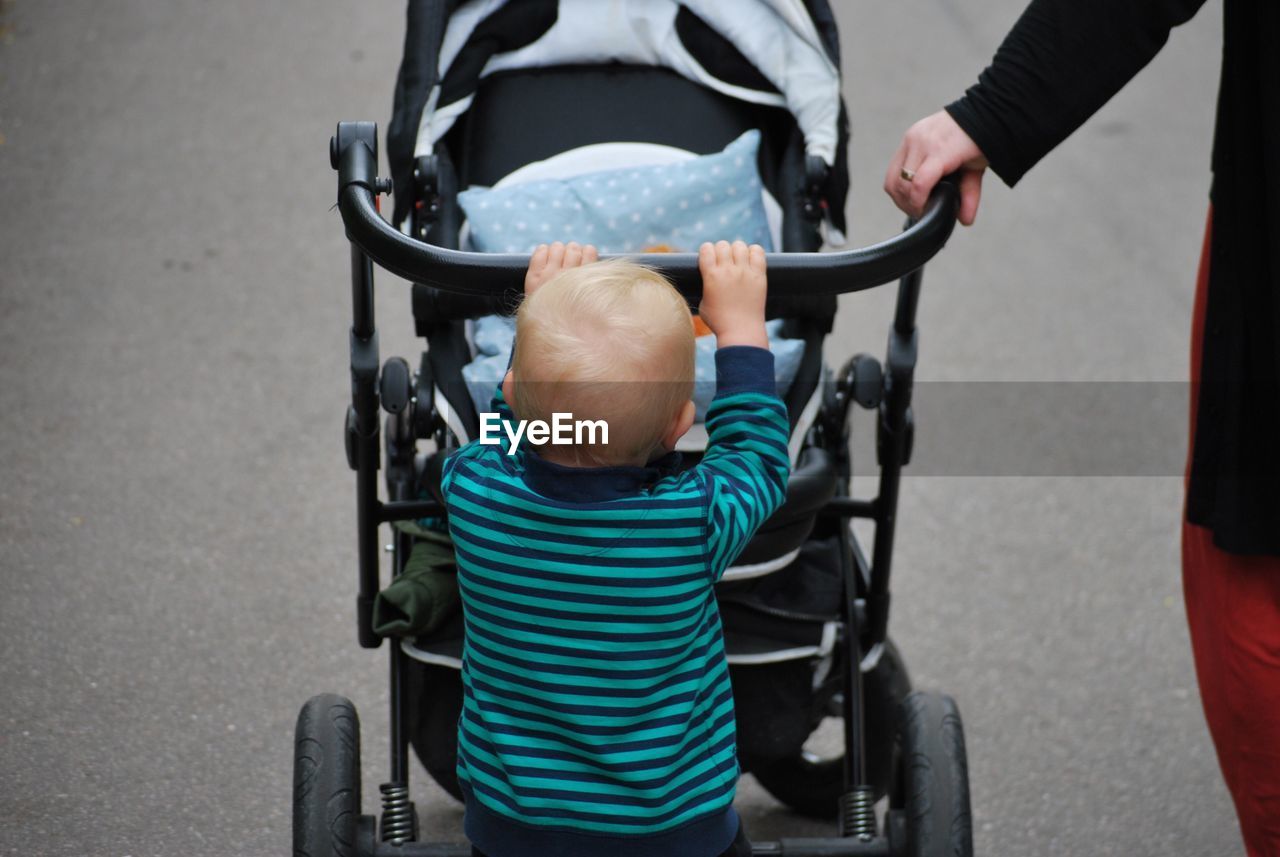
(781, 53)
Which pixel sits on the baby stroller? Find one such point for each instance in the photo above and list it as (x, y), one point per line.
(486, 89)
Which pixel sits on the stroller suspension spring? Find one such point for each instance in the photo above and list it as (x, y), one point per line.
(399, 818)
(858, 814)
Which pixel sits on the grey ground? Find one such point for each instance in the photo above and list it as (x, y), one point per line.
(177, 522)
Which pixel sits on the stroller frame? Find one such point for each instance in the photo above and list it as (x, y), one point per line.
(393, 387)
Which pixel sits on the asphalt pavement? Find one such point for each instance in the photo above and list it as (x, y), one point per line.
(177, 522)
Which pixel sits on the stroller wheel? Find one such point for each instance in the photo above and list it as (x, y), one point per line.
(326, 778)
(929, 813)
(808, 783)
(811, 783)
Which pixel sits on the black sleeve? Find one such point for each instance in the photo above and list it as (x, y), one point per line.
(1062, 61)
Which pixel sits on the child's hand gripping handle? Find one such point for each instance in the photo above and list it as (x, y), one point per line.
(734, 287)
(550, 259)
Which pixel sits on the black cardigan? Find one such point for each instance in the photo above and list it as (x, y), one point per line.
(1061, 62)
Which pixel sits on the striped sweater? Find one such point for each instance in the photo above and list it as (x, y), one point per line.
(597, 714)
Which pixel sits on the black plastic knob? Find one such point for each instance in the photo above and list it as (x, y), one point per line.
(396, 385)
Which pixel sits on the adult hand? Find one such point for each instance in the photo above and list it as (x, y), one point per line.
(932, 148)
(549, 260)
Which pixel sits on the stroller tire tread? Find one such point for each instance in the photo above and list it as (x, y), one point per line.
(326, 778)
(933, 786)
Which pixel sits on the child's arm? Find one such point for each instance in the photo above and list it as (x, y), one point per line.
(746, 464)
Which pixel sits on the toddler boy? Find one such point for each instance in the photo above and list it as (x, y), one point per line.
(597, 716)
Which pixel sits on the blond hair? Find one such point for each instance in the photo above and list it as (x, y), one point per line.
(608, 341)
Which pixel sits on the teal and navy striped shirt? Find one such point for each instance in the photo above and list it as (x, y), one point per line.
(597, 715)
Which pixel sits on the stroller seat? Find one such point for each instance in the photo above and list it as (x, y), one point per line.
(531, 115)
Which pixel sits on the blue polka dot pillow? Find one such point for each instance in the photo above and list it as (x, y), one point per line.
(681, 205)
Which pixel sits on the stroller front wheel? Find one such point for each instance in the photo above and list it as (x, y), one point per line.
(929, 812)
(326, 778)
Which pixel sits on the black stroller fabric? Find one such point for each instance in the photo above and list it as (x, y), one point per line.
(517, 25)
(777, 703)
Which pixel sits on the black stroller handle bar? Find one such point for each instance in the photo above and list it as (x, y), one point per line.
(353, 152)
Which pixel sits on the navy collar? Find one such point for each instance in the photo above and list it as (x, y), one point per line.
(593, 484)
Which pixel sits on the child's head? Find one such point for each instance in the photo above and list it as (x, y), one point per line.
(606, 341)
